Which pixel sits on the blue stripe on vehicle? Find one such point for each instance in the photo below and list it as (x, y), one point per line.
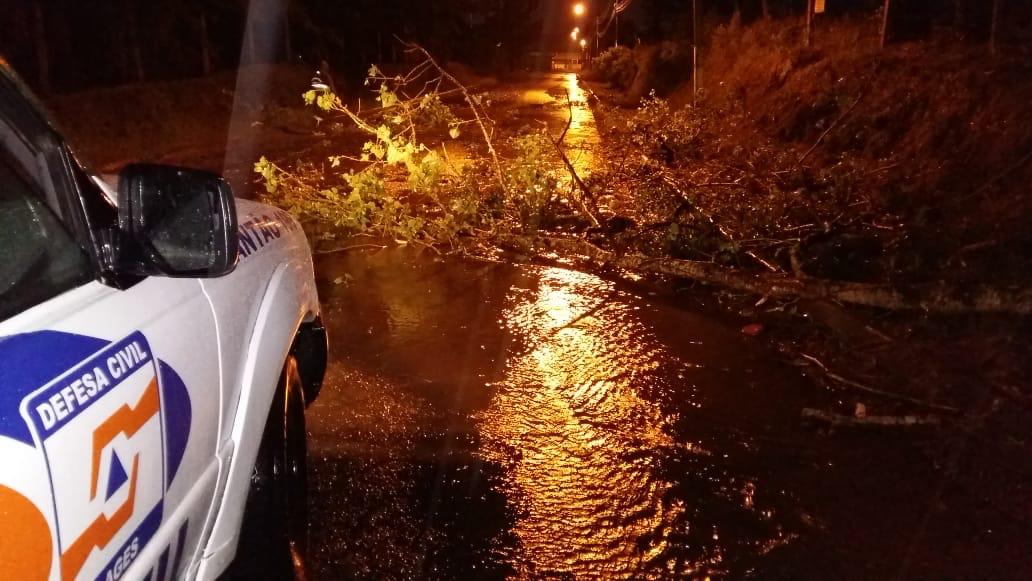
(163, 564)
(180, 548)
(175, 407)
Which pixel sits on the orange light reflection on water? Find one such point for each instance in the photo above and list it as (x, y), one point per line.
(582, 139)
(570, 407)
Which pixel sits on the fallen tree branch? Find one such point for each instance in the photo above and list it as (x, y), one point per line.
(828, 130)
(932, 298)
(770, 266)
(474, 106)
(349, 248)
(585, 190)
(844, 421)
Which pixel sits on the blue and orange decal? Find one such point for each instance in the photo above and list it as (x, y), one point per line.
(111, 422)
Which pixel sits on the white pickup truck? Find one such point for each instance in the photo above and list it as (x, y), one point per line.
(158, 347)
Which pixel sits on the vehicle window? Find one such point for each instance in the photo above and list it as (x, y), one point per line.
(40, 258)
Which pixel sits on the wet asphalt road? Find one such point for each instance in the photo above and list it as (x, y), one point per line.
(487, 421)
(492, 421)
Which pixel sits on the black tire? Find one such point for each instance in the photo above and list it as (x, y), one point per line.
(274, 534)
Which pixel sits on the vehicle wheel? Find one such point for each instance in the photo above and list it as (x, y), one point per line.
(274, 534)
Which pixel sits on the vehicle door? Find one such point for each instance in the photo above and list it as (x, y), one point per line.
(109, 397)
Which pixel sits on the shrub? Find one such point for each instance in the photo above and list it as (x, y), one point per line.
(617, 66)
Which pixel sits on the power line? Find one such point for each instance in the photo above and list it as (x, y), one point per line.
(618, 7)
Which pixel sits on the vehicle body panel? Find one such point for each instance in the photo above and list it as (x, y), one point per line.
(130, 414)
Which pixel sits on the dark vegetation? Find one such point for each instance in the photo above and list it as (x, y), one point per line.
(67, 45)
(903, 166)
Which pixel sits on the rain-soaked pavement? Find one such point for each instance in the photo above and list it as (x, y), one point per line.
(485, 420)
(490, 420)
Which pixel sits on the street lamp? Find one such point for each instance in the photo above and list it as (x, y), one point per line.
(574, 33)
(579, 9)
(583, 43)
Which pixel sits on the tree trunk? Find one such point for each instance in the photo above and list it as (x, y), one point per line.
(206, 64)
(886, 20)
(42, 50)
(134, 39)
(994, 26)
(288, 47)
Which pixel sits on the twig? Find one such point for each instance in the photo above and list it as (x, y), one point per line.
(828, 130)
(879, 392)
(352, 247)
(1009, 170)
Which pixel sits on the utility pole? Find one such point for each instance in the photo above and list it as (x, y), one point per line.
(808, 36)
(598, 38)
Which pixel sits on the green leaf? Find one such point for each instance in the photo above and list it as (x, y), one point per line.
(387, 97)
(326, 100)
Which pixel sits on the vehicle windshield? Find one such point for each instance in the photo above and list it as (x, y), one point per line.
(40, 258)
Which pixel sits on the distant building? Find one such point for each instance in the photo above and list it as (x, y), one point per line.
(568, 61)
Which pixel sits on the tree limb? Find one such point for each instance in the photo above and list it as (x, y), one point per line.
(844, 421)
(933, 298)
(473, 105)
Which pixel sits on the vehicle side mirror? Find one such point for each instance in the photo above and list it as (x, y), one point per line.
(176, 222)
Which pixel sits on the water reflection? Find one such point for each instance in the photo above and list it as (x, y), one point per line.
(582, 139)
(603, 485)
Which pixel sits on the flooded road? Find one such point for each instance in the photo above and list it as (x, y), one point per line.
(488, 421)
(537, 421)
(485, 420)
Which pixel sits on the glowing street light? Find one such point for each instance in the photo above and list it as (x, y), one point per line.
(574, 34)
(584, 43)
(579, 9)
